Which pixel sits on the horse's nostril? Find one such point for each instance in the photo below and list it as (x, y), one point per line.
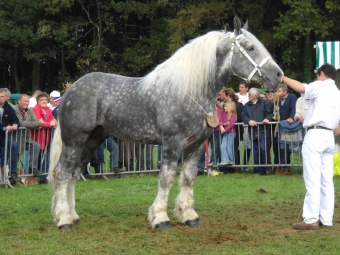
(279, 74)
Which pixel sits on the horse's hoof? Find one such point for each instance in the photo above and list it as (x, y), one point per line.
(66, 227)
(165, 224)
(193, 223)
(76, 222)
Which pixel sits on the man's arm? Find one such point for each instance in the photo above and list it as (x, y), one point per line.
(295, 85)
(336, 131)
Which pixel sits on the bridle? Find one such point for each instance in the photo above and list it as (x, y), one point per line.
(234, 40)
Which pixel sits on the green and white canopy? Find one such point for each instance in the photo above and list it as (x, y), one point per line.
(328, 52)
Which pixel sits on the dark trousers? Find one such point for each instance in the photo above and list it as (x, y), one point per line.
(260, 155)
(215, 144)
(285, 156)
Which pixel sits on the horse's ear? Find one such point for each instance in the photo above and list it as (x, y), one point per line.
(237, 26)
(246, 26)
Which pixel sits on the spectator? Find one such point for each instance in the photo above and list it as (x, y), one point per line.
(112, 147)
(322, 118)
(8, 96)
(270, 96)
(231, 96)
(33, 100)
(287, 112)
(54, 99)
(228, 132)
(301, 109)
(27, 119)
(141, 151)
(215, 139)
(43, 136)
(263, 95)
(243, 97)
(126, 152)
(258, 110)
(9, 122)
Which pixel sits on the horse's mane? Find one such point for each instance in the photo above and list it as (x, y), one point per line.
(190, 70)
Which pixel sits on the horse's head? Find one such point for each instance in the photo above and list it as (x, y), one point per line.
(248, 58)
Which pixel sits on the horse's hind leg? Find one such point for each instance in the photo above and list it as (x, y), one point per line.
(184, 208)
(71, 197)
(67, 172)
(61, 206)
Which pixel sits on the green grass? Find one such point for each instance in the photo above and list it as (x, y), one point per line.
(236, 219)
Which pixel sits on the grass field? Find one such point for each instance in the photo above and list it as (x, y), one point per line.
(236, 219)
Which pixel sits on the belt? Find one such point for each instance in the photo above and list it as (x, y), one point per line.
(318, 127)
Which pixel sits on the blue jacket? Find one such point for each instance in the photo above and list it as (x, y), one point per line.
(258, 112)
(9, 118)
(287, 110)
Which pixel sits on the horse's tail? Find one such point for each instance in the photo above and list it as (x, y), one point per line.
(55, 154)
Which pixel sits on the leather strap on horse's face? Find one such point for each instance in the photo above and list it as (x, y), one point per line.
(234, 40)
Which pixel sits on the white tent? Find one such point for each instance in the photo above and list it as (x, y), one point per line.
(328, 52)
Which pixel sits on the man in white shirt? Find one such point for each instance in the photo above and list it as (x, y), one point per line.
(243, 95)
(322, 121)
(54, 99)
(243, 98)
(33, 100)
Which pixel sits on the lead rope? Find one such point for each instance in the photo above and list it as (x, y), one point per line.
(277, 109)
(208, 114)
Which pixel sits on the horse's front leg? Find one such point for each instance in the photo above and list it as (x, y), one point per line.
(157, 215)
(184, 208)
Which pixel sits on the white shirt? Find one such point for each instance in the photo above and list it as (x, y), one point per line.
(324, 106)
(301, 107)
(243, 99)
(32, 103)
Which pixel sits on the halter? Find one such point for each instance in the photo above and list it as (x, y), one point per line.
(234, 40)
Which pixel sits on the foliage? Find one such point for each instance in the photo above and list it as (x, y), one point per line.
(44, 43)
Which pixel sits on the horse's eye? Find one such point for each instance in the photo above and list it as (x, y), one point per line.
(251, 48)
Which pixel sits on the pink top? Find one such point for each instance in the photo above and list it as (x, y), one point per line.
(231, 127)
(42, 135)
(222, 118)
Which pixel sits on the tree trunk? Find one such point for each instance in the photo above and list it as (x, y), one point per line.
(35, 75)
(14, 72)
(307, 61)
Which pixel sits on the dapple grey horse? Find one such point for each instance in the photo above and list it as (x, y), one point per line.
(168, 107)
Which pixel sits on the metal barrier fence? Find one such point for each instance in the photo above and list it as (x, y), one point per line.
(259, 148)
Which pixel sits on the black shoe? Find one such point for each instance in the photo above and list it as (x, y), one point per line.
(36, 172)
(15, 178)
(44, 181)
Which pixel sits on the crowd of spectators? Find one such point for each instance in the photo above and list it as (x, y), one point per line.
(256, 121)
(243, 123)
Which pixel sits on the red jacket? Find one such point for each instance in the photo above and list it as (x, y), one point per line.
(43, 135)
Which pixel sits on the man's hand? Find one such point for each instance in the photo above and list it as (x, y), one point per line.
(252, 123)
(265, 121)
(290, 120)
(53, 123)
(12, 128)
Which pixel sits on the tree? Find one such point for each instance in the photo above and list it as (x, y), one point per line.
(302, 23)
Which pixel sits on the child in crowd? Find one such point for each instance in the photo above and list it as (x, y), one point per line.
(215, 137)
(228, 131)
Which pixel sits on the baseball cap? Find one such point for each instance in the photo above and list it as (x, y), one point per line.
(55, 94)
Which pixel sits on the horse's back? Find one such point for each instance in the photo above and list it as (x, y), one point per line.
(111, 101)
